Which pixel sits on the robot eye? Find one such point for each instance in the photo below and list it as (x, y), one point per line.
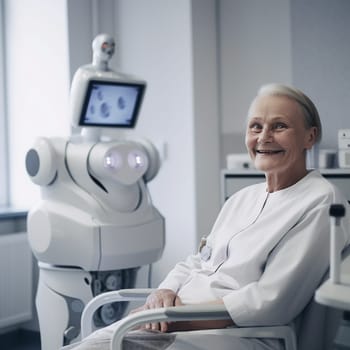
(113, 161)
(105, 47)
(137, 160)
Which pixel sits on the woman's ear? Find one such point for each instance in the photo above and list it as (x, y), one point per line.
(311, 137)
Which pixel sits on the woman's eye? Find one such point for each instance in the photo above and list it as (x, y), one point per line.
(280, 126)
(255, 127)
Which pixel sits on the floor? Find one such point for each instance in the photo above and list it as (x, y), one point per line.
(20, 340)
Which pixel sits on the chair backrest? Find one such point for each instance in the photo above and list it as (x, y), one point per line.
(318, 324)
(318, 327)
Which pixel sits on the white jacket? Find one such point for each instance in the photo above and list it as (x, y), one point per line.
(266, 254)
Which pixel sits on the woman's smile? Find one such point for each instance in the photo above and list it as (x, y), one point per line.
(269, 152)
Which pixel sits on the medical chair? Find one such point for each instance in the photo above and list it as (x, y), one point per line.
(316, 326)
(179, 313)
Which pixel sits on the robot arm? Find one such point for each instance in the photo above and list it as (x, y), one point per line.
(41, 162)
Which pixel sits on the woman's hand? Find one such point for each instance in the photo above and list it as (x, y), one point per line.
(167, 298)
(198, 324)
(158, 299)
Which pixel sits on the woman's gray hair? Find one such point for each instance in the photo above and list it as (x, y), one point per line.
(312, 118)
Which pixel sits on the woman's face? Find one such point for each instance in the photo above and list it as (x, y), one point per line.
(276, 136)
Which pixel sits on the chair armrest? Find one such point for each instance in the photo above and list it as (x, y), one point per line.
(178, 313)
(201, 312)
(106, 298)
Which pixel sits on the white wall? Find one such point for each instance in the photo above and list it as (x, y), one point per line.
(172, 46)
(4, 193)
(37, 83)
(304, 43)
(255, 48)
(86, 19)
(37, 87)
(321, 60)
(155, 43)
(206, 113)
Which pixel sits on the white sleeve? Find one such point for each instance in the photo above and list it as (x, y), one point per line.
(292, 273)
(180, 273)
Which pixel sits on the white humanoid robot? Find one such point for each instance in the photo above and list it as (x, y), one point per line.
(96, 224)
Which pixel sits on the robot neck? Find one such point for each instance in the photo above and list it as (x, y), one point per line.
(100, 64)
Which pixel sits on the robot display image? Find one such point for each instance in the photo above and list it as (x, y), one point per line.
(95, 224)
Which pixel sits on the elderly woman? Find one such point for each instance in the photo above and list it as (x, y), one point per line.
(268, 249)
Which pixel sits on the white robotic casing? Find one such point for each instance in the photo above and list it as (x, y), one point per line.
(95, 224)
(91, 221)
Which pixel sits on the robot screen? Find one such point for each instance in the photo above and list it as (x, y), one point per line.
(111, 104)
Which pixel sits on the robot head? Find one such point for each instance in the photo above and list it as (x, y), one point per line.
(103, 48)
(101, 97)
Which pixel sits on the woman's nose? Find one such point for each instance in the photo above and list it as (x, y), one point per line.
(265, 135)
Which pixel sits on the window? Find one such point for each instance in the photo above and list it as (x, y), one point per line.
(4, 186)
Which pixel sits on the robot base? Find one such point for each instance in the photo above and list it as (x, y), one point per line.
(62, 294)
